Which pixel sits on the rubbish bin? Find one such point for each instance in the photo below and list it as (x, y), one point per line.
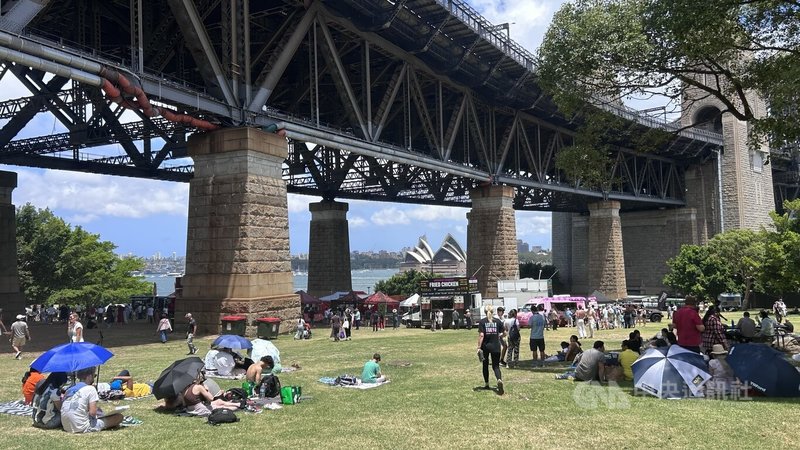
(234, 325)
(268, 327)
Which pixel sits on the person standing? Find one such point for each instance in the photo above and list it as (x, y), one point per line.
(501, 312)
(468, 319)
(346, 325)
(301, 329)
(456, 320)
(163, 328)
(490, 331)
(538, 323)
(591, 315)
(439, 319)
(20, 335)
(511, 326)
(191, 330)
(2, 324)
(395, 319)
(688, 325)
(374, 319)
(580, 319)
(357, 318)
(714, 333)
(336, 322)
(74, 328)
(150, 317)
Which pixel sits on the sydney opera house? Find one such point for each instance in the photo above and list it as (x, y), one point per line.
(449, 260)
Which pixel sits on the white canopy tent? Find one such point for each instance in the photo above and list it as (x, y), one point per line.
(410, 301)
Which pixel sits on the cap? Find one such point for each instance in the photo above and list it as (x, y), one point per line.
(20, 317)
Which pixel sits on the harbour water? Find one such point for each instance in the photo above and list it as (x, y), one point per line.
(363, 280)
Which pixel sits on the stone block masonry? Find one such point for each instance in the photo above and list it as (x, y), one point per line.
(606, 259)
(492, 238)
(237, 250)
(328, 249)
(12, 301)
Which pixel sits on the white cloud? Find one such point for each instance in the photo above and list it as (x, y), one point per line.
(86, 197)
(356, 222)
(81, 219)
(430, 213)
(532, 224)
(390, 216)
(299, 203)
(527, 19)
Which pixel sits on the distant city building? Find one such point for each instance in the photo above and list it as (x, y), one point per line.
(449, 260)
(522, 247)
(536, 249)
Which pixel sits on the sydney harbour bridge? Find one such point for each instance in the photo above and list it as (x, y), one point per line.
(418, 101)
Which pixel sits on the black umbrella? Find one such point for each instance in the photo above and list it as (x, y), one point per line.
(175, 378)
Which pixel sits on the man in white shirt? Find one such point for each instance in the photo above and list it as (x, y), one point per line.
(79, 411)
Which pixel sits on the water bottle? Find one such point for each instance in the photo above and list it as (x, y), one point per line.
(263, 391)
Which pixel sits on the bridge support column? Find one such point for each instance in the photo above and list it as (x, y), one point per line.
(237, 251)
(492, 238)
(12, 301)
(328, 249)
(606, 261)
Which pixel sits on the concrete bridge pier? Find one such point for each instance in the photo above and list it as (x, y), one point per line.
(492, 238)
(12, 301)
(606, 258)
(237, 251)
(328, 249)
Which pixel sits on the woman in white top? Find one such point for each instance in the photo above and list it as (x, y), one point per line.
(74, 328)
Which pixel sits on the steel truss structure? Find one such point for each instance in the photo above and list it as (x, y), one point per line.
(405, 100)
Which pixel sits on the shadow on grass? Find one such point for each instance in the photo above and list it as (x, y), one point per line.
(486, 389)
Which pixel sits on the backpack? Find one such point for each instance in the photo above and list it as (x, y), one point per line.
(235, 395)
(346, 380)
(273, 385)
(43, 406)
(513, 333)
(220, 415)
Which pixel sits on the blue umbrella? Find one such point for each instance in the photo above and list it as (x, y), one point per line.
(764, 369)
(71, 357)
(232, 341)
(670, 372)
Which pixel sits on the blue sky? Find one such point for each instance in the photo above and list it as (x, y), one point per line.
(144, 216)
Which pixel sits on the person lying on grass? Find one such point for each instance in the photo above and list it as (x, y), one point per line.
(124, 382)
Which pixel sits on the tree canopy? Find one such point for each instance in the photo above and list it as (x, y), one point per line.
(403, 283)
(61, 264)
(606, 51)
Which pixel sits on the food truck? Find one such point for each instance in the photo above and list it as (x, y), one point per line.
(446, 294)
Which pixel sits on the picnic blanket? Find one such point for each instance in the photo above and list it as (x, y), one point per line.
(359, 385)
(236, 374)
(16, 408)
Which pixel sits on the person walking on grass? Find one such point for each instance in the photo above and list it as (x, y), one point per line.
(490, 331)
(503, 344)
(190, 332)
(163, 328)
(20, 335)
(512, 330)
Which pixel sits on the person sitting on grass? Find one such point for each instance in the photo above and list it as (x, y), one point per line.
(767, 333)
(79, 411)
(124, 382)
(722, 377)
(29, 381)
(592, 365)
(561, 355)
(574, 349)
(265, 364)
(626, 359)
(199, 401)
(372, 371)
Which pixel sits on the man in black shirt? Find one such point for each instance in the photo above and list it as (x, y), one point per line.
(190, 332)
(490, 331)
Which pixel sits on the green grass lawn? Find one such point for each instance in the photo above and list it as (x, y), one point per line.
(431, 403)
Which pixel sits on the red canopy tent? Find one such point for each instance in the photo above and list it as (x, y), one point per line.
(308, 299)
(379, 298)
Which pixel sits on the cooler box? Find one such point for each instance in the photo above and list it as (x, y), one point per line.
(268, 327)
(234, 325)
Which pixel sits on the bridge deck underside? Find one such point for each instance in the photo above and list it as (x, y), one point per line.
(410, 101)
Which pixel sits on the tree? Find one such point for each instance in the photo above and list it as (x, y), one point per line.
(743, 252)
(61, 264)
(698, 271)
(403, 283)
(782, 252)
(602, 52)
